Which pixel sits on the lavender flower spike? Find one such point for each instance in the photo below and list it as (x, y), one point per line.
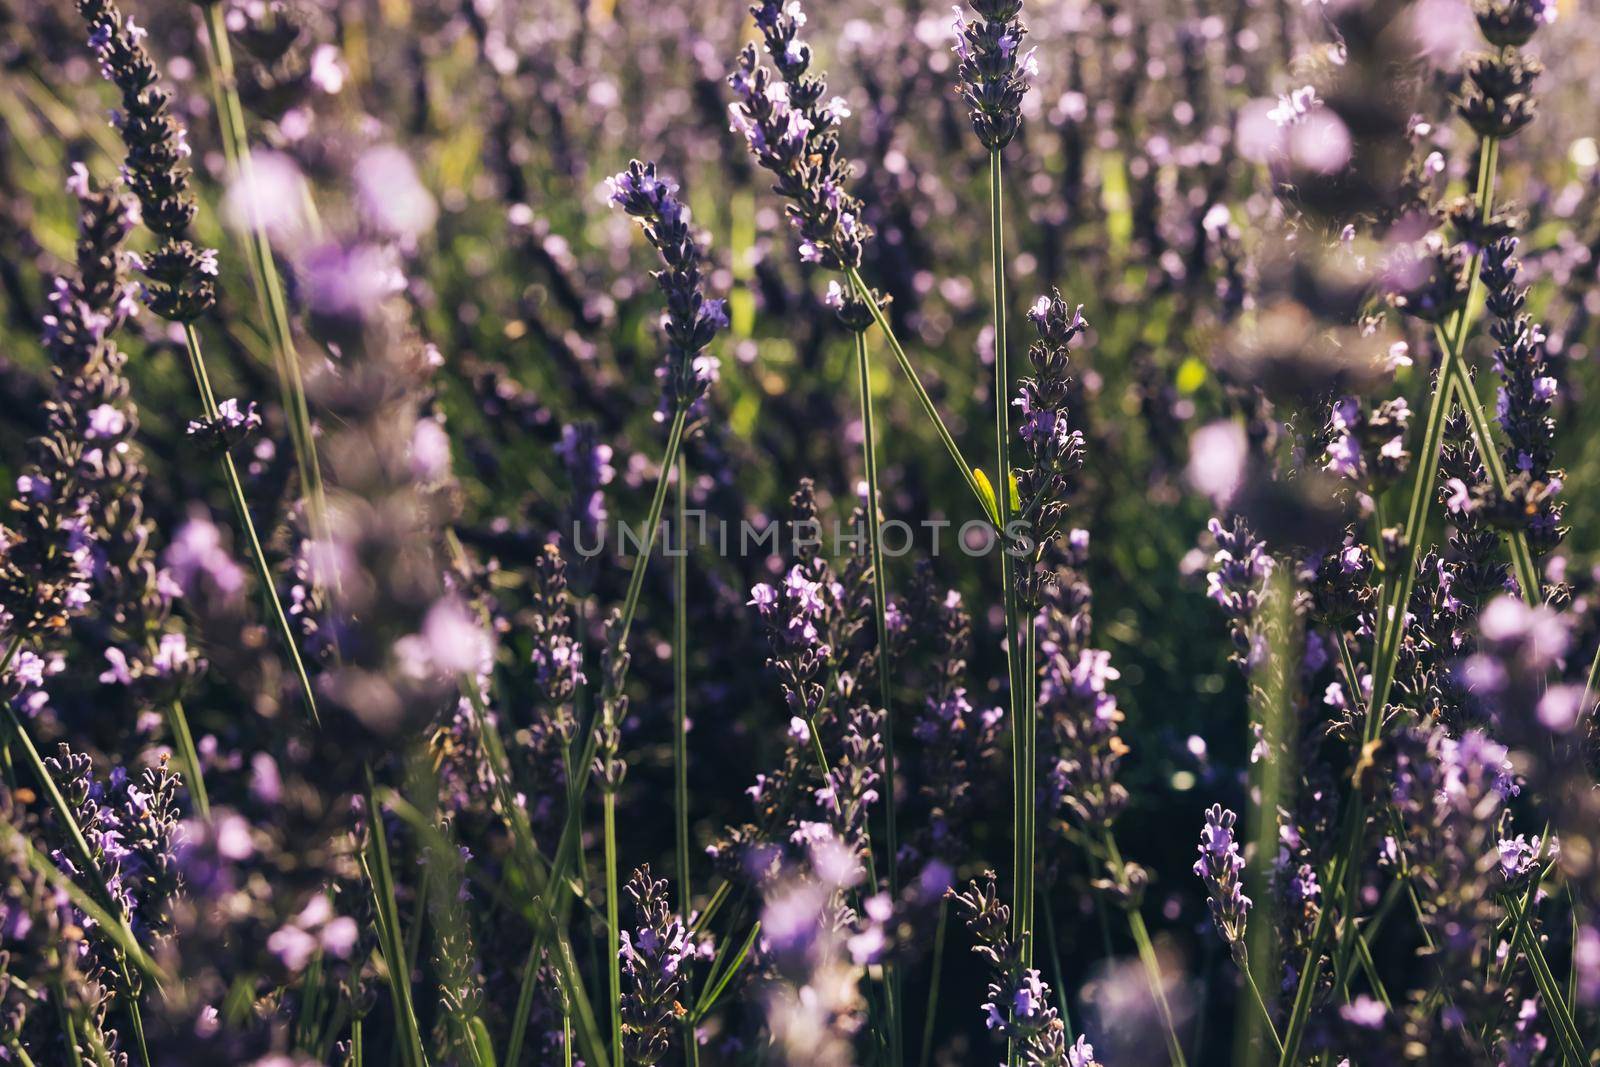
(994, 73)
(1221, 867)
(791, 131)
(653, 957)
(691, 320)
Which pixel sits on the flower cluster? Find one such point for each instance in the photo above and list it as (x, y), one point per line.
(1368, 445)
(180, 275)
(43, 953)
(958, 738)
(691, 319)
(813, 947)
(654, 956)
(793, 133)
(994, 73)
(1238, 584)
(1222, 868)
(1052, 450)
(1019, 1007)
(1527, 392)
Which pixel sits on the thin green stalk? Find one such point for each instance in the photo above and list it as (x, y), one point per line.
(680, 729)
(932, 1009)
(1152, 965)
(241, 507)
(380, 875)
(69, 1025)
(1566, 1032)
(1261, 1005)
(680, 691)
(1391, 626)
(923, 399)
(613, 957)
(1056, 970)
(880, 610)
(556, 887)
(1021, 722)
(263, 269)
(188, 758)
(23, 1059)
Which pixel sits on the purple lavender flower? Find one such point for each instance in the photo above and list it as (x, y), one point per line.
(654, 957)
(994, 73)
(1222, 868)
(692, 320)
(1238, 584)
(793, 133)
(180, 276)
(231, 426)
(1527, 393)
(1051, 450)
(1018, 1008)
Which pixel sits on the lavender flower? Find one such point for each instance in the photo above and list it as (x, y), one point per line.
(994, 72)
(1019, 1007)
(1368, 447)
(1222, 868)
(1051, 450)
(958, 740)
(1496, 99)
(1238, 585)
(810, 994)
(653, 958)
(692, 321)
(1526, 394)
(231, 426)
(792, 132)
(179, 275)
(588, 464)
(1512, 23)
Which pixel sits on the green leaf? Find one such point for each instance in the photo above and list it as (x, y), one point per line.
(986, 492)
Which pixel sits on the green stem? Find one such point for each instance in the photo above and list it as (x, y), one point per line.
(680, 729)
(680, 691)
(613, 956)
(1261, 1005)
(263, 270)
(1056, 970)
(1565, 1031)
(1152, 965)
(556, 888)
(241, 507)
(380, 875)
(23, 1059)
(1022, 727)
(931, 1012)
(188, 758)
(880, 611)
(923, 399)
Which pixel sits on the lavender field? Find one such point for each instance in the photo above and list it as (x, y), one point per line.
(1058, 533)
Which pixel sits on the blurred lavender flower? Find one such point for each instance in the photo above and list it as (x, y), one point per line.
(811, 994)
(1527, 393)
(957, 739)
(1238, 585)
(588, 464)
(45, 973)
